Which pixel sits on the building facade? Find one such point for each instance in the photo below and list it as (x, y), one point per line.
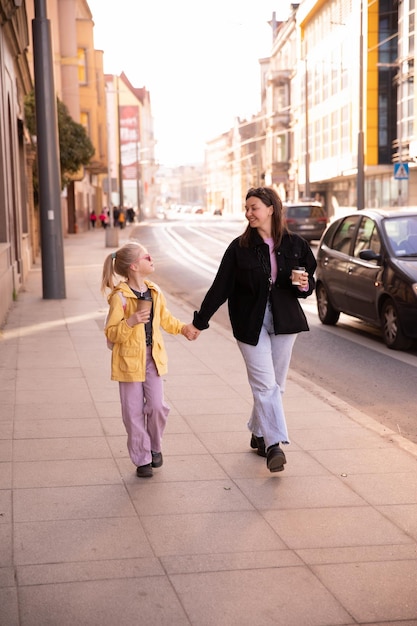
(79, 84)
(131, 148)
(338, 107)
(17, 218)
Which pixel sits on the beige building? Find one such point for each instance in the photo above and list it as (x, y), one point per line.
(233, 163)
(219, 174)
(17, 223)
(131, 147)
(338, 107)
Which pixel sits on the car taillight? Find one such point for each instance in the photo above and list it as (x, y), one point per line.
(322, 219)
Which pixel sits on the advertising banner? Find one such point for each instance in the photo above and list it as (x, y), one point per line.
(129, 141)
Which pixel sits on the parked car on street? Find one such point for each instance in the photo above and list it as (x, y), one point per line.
(367, 268)
(307, 219)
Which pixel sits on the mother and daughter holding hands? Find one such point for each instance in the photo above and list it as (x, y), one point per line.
(254, 277)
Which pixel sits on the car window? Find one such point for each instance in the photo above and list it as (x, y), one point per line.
(367, 237)
(304, 211)
(317, 211)
(344, 234)
(402, 234)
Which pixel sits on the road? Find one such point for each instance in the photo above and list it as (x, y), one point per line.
(348, 360)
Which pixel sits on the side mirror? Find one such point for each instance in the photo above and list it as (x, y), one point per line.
(370, 255)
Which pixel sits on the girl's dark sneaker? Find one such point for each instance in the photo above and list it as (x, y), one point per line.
(144, 471)
(157, 459)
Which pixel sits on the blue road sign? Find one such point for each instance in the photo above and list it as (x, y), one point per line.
(401, 171)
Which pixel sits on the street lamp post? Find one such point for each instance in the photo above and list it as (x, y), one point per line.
(307, 155)
(361, 159)
(111, 232)
(53, 270)
(400, 92)
(138, 172)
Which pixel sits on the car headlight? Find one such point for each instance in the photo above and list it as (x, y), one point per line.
(414, 288)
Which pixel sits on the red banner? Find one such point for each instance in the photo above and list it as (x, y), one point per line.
(129, 141)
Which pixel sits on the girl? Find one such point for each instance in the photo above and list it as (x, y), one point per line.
(139, 358)
(265, 314)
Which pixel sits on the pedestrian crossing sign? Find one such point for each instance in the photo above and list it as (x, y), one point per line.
(401, 171)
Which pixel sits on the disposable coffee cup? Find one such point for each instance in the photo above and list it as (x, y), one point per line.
(145, 305)
(296, 273)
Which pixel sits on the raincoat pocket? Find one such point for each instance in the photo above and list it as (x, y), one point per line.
(129, 359)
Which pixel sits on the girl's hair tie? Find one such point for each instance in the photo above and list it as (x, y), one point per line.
(113, 255)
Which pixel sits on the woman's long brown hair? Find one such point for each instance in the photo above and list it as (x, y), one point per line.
(270, 198)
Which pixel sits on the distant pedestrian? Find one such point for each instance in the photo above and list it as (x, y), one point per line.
(104, 218)
(93, 218)
(139, 358)
(255, 278)
(122, 218)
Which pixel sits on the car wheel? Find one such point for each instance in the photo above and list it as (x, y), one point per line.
(327, 314)
(391, 329)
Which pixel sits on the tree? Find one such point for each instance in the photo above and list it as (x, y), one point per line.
(75, 147)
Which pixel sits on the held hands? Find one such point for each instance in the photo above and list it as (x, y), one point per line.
(190, 332)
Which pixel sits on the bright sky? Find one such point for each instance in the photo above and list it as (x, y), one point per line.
(198, 60)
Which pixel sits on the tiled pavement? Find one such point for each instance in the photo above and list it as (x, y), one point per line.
(213, 538)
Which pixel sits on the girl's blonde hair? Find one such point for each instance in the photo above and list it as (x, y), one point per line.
(118, 263)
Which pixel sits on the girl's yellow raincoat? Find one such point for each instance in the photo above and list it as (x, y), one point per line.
(128, 362)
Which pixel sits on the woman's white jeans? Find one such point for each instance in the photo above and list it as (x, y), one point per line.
(267, 366)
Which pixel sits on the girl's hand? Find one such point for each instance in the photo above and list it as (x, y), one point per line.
(190, 332)
(140, 317)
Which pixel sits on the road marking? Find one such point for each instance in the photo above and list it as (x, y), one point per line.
(190, 254)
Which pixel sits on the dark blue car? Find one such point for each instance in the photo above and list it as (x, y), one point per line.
(367, 268)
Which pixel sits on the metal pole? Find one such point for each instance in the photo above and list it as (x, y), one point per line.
(361, 158)
(307, 156)
(53, 269)
(121, 198)
(111, 233)
(138, 167)
(400, 125)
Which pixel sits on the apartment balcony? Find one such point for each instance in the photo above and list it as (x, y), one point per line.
(279, 77)
(279, 172)
(279, 119)
(96, 167)
(280, 167)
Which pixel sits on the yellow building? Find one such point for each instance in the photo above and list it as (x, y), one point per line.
(79, 84)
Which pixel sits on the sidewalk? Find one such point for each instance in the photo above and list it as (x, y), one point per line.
(213, 539)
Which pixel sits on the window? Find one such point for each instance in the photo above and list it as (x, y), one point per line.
(334, 134)
(367, 237)
(344, 234)
(85, 121)
(82, 66)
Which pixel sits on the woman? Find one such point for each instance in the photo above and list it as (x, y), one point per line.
(255, 278)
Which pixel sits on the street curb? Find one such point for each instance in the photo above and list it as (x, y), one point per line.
(354, 414)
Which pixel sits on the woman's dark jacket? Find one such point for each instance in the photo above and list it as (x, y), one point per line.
(243, 280)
